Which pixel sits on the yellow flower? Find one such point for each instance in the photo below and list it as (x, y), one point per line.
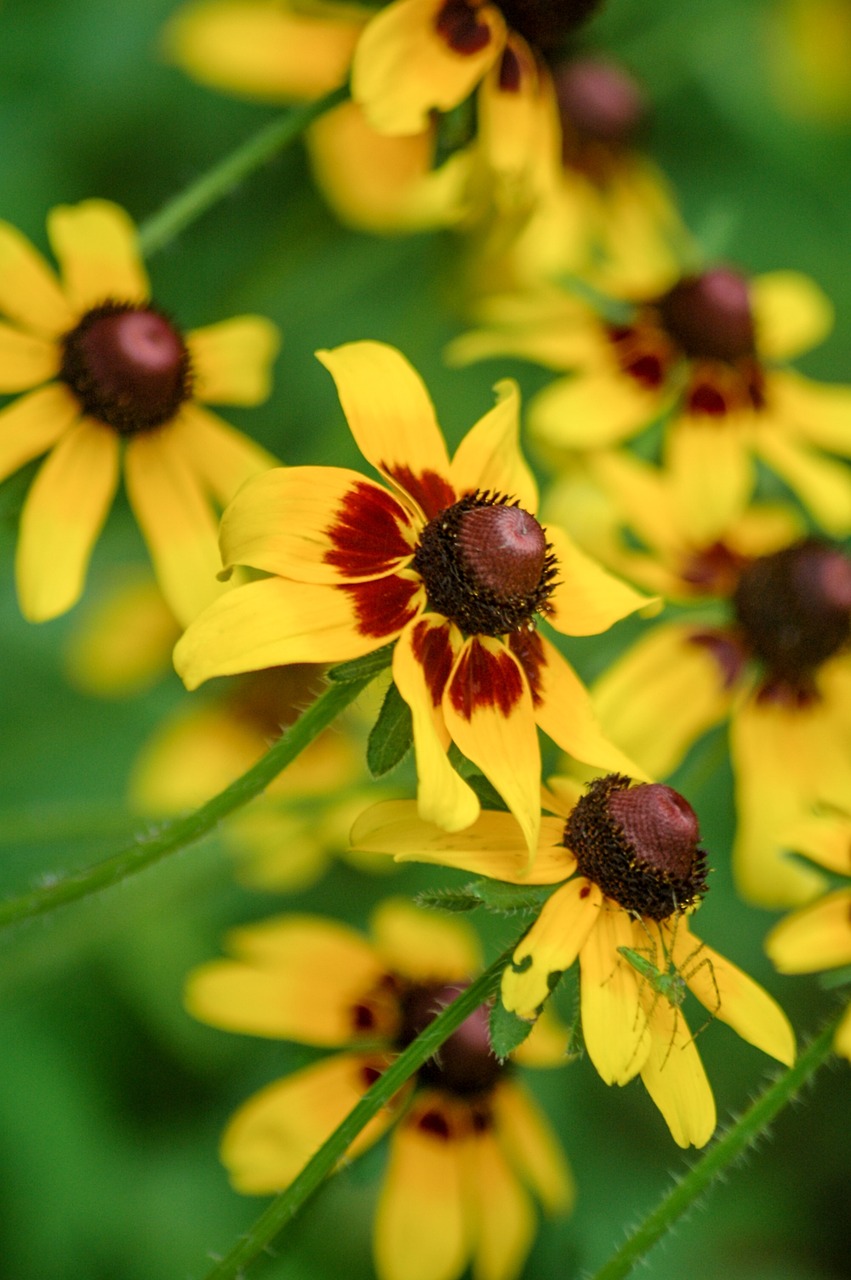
(818, 937)
(706, 353)
(808, 43)
(448, 564)
(628, 866)
(469, 1143)
(107, 374)
(122, 642)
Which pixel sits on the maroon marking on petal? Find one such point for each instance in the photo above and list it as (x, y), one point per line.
(460, 28)
(727, 652)
(480, 1120)
(584, 891)
(647, 370)
(782, 693)
(707, 401)
(485, 679)
(366, 534)
(510, 71)
(363, 1018)
(384, 606)
(435, 1123)
(369, 1075)
(429, 489)
(432, 649)
(529, 652)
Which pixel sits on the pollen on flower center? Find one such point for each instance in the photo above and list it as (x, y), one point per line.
(486, 565)
(465, 1064)
(640, 845)
(795, 609)
(709, 316)
(128, 366)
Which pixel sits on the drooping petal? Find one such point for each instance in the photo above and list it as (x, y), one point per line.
(661, 696)
(392, 418)
(587, 599)
(422, 1225)
(29, 291)
(25, 360)
(563, 710)
(97, 248)
(177, 521)
(268, 624)
(124, 643)
(422, 661)
(820, 483)
(711, 473)
(262, 48)
(815, 938)
(824, 838)
(592, 410)
(403, 67)
(64, 512)
(513, 114)
(317, 524)
(547, 1044)
(819, 412)
(487, 706)
(729, 994)
(550, 946)
(493, 845)
(32, 424)
(674, 1077)
(504, 1216)
(791, 314)
(532, 1147)
(489, 456)
(221, 456)
(270, 1139)
(231, 361)
(614, 1024)
(422, 945)
(294, 978)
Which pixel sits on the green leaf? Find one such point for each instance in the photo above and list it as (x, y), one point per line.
(391, 736)
(449, 899)
(371, 664)
(507, 1030)
(509, 899)
(835, 978)
(489, 797)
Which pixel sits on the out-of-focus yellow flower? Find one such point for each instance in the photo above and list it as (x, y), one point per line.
(809, 53)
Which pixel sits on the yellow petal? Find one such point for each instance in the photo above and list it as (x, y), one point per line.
(263, 48)
(422, 945)
(269, 624)
(825, 839)
(392, 418)
(674, 1077)
(791, 313)
(97, 248)
(547, 1044)
(511, 121)
(64, 512)
(489, 456)
(32, 424)
(532, 1147)
(819, 412)
(815, 938)
(822, 484)
(614, 1025)
(231, 361)
(222, 457)
(270, 1139)
(403, 68)
(191, 757)
(29, 291)
(550, 946)
(25, 360)
(505, 1218)
(592, 410)
(711, 473)
(177, 521)
(842, 1039)
(124, 642)
(421, 1228)
(587, 599)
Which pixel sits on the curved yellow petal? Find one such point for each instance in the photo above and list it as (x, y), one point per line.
(263, 49)
(25, 360)
(190, 757)
(403, 68)
(674, 1077)
(392, 418)
(222, 457)
(32, 424)
(532, 1147)
(65, 510)
(824, 838)
(592, 410)
(29, 291)
(614, 1024)
(817, 411)
(815, 938)
(551, 946)
(711, 472)
(97, 248)
(587, 599)
(177, 521)
(124, 641)
(842, 1039)
(822, 484)
(505, 1218)
(791, 314)
(231, 361)
(489, 456)
(422, 945)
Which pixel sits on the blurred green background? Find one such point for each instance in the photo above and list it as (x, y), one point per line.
(111, 1098)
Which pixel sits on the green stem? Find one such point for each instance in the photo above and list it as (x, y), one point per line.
(202, 194)
(285, 1207)
(728, 1148)
(145, 849)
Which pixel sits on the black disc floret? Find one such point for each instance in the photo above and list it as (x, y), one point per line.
(465, 1064)
(709, 316)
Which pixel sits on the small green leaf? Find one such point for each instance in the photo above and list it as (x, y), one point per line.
(448, 899)
(510, 899)
(489, 797)
(507, 1030)
(391, 736)
(371, 664)
(835, 978)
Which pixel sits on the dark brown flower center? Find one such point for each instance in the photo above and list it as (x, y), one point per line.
(543, 23)
(709, 316)
(128, 366)
(794, 608)
(640, 844)
(465, 1064)
(598, 101)
(486, 565)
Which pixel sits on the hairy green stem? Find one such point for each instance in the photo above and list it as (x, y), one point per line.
(201, 195)
(732, 1144)
(146, 848)
(284, 1208)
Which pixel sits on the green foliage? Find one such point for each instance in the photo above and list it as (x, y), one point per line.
(392, 734)
(367, 667)
(507, 1031)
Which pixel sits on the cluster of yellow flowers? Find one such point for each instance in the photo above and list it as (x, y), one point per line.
(673, 394)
